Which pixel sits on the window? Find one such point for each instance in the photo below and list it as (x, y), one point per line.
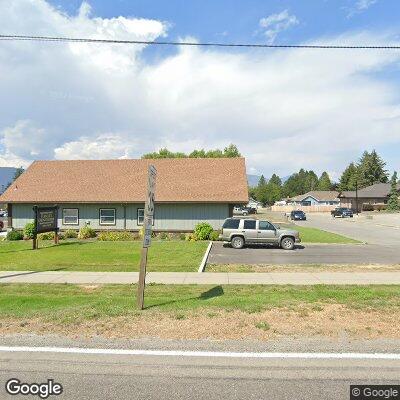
(266, 226)
(231, 224)
(107, 216)
(249, 224)
(140, 216)
(70, 216)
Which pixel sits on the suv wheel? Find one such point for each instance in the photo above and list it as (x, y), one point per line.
(237, 242)
(287, 243)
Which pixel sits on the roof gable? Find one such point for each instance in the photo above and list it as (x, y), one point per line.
(178, 180)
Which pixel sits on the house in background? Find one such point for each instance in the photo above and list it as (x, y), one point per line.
(317, 198)
(110, 194)
(373, 195)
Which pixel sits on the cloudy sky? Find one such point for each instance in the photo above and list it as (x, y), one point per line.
(285, 109)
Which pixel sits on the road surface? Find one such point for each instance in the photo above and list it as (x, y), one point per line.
(108, 376)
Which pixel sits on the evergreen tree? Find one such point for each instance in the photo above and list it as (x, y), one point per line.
(276, 180)
(262, 190)
(273, 193)
(231, 151)
(348, 178)
(393, 202)
(261, 181)
(371, 169)
(18, 173)
(324, 182)
(310, 182)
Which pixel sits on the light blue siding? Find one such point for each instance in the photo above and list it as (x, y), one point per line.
(168, 217)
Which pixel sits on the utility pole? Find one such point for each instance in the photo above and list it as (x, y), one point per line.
(357, 197)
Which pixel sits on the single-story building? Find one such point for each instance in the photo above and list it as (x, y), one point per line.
(377, 194)
(110, 194)
(317, 198)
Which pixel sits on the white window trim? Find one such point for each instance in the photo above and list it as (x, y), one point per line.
(70, 223)
(137, 217)
(108, 223)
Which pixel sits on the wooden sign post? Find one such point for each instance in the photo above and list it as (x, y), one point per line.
(46, 220)
(148, 227)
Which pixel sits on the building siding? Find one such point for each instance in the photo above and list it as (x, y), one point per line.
(168, 217)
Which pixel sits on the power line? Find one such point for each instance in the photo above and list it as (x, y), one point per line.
(206, 44)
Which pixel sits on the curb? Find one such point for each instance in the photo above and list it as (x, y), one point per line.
(204, 260)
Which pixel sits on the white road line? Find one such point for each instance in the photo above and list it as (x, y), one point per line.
(178, 353)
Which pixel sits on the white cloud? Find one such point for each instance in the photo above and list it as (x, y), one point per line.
(364, 4)
(359, 7)
(284, 109)
(276, 23)
(100, 147)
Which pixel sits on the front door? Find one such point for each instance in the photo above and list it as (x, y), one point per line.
(266, 232)
(249, 230)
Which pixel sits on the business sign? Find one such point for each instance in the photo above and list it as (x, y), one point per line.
(46, 219)
(149, 206)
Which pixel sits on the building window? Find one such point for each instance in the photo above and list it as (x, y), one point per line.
(107, 216)
(70, 216)
(140, 216)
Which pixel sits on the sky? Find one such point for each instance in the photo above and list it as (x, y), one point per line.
(285, 109)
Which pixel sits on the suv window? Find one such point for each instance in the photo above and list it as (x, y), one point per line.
(249, 224)
(266, 226)
(231, 224)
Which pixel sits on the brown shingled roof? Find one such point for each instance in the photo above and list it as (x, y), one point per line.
(88, 181)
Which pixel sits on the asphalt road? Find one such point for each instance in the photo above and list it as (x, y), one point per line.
(175, 377)
(383, 230)
(305, 254)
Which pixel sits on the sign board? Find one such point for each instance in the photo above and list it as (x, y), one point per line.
(46, 219)
(149, 206)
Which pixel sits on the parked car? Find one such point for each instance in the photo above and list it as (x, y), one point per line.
(342, 212)
(1, 225)
(241, 231)
(244, 210)
(298, 215)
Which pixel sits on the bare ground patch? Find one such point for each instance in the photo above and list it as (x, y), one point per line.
(302, 268)
(329, 320)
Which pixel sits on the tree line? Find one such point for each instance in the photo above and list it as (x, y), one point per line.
(368, 170)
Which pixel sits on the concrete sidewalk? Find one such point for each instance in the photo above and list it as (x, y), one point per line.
(206, 278)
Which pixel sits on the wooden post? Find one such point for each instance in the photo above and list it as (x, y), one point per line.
(34, 240)
(56, 236)
(142, 278)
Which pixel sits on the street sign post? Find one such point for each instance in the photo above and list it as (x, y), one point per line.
(46, 219)
(148, 227)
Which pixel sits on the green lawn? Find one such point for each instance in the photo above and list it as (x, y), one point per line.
(100, 256)
(314, 235)
(72, 303)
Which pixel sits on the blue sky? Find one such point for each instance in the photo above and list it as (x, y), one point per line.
(236, 21)
(285, 109)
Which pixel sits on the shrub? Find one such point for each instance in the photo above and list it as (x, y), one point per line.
(214, 235)
(367, 207)
(203, 230)
(86, 232)
(163, 236)
(46, 236)
(182, 236)
(70, 234)
(29, 230)
(190, 237)
(15, 235)
(115, 236)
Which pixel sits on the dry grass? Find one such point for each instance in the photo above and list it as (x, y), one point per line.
(329, 320)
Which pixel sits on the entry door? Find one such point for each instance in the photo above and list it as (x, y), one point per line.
(266, 232)
(249, 230)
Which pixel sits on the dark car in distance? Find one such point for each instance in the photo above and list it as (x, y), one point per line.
(342, 212)
(298, 215)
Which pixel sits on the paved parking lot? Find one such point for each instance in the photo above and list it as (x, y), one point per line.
(305, 254)
(382, 229)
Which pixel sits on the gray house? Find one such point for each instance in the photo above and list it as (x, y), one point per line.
(110, 194)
